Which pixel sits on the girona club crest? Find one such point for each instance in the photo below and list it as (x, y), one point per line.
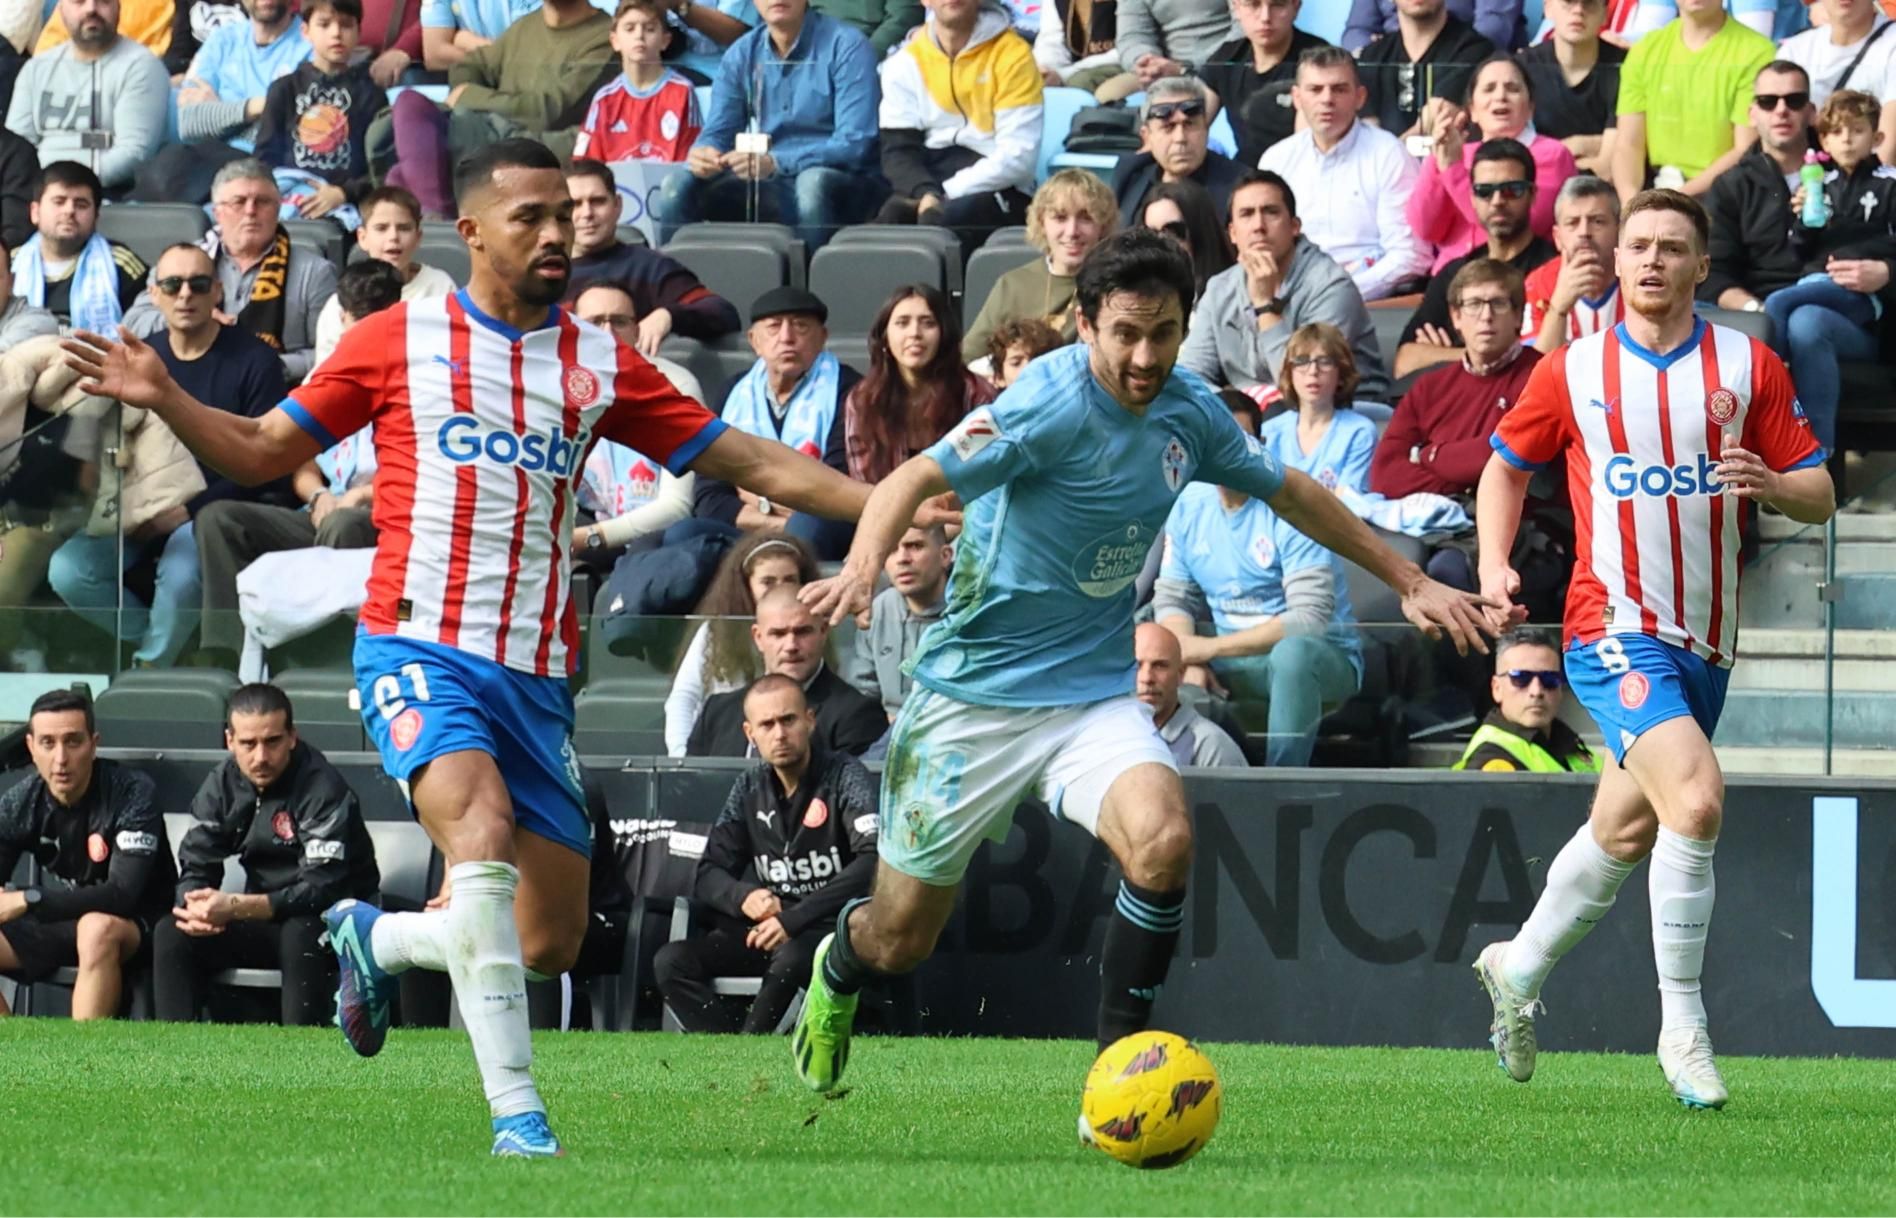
(582, 387)
(1633, 690)
(1722, 406)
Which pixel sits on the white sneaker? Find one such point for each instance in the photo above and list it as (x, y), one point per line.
(1685, 1055)
(1512, 1032)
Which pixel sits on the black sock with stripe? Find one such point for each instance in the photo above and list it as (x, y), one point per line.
(1140, 940)
(843, 971)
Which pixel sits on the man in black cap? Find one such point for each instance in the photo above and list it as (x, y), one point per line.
(793, 393)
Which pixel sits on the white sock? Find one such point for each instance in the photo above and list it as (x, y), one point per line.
(1682, 888)
(402, 941)
(483, 957)
(1581, 886)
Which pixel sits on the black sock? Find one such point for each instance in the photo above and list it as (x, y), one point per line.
(1139, 943)
(843, 970)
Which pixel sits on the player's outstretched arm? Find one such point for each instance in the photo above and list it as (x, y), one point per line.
(1498, 502)
(247, 450)
(892, 507)
(782, 475)
(1435, 608)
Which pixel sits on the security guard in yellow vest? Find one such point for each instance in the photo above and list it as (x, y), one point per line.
(1522, 733)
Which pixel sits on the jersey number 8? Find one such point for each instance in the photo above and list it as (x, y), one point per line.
(1612, 655)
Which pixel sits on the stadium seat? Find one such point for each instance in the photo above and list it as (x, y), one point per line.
(740, 270)
(630, 235)
(777, 236)
(324, 236)
(148, 228)
(441, 247)
(1058, 108)
(328, 713)
(660, 865)
(1012, 235)
(851, 349)
(165, 708)
(855, 280)
(723, 987)
(914, 236)
(988, 264)
(715, 363)
(1388, 324)
(621, 717)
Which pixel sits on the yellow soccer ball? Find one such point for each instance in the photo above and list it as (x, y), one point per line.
(1152, 1100)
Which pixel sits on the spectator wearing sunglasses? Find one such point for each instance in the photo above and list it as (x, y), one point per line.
(1363, 172)
(1502, 183)
(1682, 100)
(1184, 212)
(1499, 106)
(213, 362)
(1430, 54)
(1175, 135)
(1851, 50)
(1523, 732)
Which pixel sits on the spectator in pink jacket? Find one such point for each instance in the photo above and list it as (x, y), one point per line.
(1500, 105)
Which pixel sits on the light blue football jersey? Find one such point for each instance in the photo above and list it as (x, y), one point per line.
(1342, 457)
(1065, 492)
(1239, 560)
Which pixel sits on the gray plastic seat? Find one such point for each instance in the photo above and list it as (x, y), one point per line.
(322, 700)
(324, 236)
(855, 280)
(148, 228)
(915, 236)
(985, 267)
(719, 233)
(441, 247)
(165, 708)
(740, 270)
(621, 717)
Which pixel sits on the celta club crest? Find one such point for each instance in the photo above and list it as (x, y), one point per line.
(1172, 464)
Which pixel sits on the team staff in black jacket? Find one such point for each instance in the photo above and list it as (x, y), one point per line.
(290, 818)
(796, 841)
(96, 831)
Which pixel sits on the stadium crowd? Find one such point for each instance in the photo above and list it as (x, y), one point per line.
(1447, 164)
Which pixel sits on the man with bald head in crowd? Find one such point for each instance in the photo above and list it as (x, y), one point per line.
(794, 644)
(1193, 739)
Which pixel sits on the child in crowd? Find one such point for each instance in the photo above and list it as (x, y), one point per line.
(1860, 192)
(650, 112)
(391, 231)
(315, 120)
(1015, 344)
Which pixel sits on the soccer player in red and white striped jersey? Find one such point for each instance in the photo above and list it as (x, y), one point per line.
(1576, 294)
(1670, 428)
(484, 404)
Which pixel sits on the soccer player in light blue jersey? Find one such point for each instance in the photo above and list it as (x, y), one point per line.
(1025, 686)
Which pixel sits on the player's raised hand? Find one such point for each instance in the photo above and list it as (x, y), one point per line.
(1745, 474)
(847, 592)
(128, 369)
(1437, 610)
(943, 510)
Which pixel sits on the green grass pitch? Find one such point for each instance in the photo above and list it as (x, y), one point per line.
(145, 1118)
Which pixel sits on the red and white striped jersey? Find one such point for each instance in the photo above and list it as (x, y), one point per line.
(1587, 317)
(1656, 534)
(481, 431)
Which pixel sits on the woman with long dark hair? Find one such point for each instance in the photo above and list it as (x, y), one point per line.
(917, 387)
(721, 656)
(1184, 212)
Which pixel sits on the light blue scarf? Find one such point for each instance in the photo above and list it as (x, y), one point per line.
(807, 416)
(95, 284)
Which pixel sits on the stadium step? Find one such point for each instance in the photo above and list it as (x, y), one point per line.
(1781, 718)
(1780, 589)
(1794, 660)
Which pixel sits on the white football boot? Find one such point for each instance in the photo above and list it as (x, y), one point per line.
(1512, 1032)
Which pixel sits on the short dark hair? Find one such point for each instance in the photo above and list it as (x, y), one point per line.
(1488, 270)
(1525, 636)
(68, 173)
(769, 682)
(400, 196)
(1243, 407)
(1329, 57)
(1263, 177)
(1505, 149)
(367, 287)
(1474, 78)
(259, 698)
(1782, 65)
(176, 247)
(59, 701)
(1031, 332)
(1134, 260)
(1671, 200)
(587, 167)
(476, 170)
(342, 8)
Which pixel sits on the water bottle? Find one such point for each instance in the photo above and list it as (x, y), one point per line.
(1669, 177)
(1816, 211)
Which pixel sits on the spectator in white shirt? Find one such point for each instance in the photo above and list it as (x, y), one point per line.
(1193, 739)
(1363, 174)
(1830, 55)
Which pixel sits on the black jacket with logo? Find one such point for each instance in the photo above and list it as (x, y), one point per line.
(105, 854)
(816, 849)
(301, 841)
(847, 720)
(1862, 218)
